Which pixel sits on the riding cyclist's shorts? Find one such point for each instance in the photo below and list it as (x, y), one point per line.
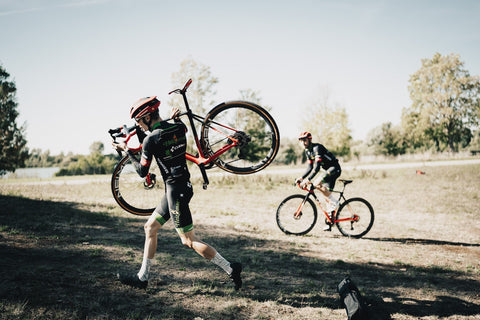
(175, 204)
(329, 177)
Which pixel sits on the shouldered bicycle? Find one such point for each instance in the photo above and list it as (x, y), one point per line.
(297, 214)
(239, 137)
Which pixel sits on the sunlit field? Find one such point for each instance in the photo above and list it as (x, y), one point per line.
(63, 241)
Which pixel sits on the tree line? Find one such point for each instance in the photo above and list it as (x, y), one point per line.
(444, 116)
(74, 164)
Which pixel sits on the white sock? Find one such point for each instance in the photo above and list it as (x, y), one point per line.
(145, 269)
(222, 263)
(332, 199)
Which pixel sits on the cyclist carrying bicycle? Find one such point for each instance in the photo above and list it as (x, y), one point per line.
(167, 143)
(319, 157)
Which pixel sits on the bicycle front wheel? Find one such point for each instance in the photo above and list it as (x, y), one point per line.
(254, 129)
(133, 193)
(354, 217)
(296, 215)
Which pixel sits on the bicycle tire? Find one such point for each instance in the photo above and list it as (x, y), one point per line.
(286, 220)
(248, 123)
(129, 191)
(359, 207)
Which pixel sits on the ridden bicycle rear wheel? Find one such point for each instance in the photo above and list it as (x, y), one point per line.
(361, 211)
(291, 223)
(132, 192)
(251, 125)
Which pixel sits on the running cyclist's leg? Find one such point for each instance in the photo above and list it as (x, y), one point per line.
(190, 240)
(151, 227)
(182, 218)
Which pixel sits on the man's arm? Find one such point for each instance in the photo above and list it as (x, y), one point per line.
(309, 168)
(141, 166)
(316, 167)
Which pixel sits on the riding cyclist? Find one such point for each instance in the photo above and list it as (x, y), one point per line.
(318, 156)
(167, 143)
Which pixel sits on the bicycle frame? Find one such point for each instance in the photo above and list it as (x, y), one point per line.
(202, 159)
(311, 192)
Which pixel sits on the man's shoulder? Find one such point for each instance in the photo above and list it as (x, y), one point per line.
(317, 146)
(166, 127)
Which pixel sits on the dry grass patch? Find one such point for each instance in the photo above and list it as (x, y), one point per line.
(61, 246)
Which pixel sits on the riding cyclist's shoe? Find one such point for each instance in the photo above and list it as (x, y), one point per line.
(332, 206)
(328, 223)
(132, 280)
(235, 275)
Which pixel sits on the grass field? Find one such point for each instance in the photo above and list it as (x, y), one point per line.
(62, 244)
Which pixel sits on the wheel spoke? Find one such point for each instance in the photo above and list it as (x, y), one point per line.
(252, 129)
(355, 217)
(131, 192)
(296, 215)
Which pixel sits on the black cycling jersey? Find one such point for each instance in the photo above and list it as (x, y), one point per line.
(167, 143)
(318, 156)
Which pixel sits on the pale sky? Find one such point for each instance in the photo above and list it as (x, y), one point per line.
(79, 64)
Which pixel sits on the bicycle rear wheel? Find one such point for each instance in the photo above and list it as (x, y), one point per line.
(254, 129)
(131, 192)
(358, 215)
(291, 223)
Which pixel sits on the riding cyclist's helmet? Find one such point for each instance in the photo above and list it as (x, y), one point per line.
(143, 107)
(305, 135)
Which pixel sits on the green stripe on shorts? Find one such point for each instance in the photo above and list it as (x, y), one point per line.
(185, 229)
(160, 219)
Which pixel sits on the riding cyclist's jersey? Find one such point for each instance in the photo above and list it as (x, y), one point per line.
(318, 156)
(166, 143)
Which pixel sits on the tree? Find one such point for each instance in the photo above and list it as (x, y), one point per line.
(96, 147)
(387, 140)
(13, 151)
(445, 103)
(252, 96)
(290, 151)
(94, 163)
(328, 124)
(201, 92)
(258, 130)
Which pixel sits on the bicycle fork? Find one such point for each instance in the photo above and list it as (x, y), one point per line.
(298, 213)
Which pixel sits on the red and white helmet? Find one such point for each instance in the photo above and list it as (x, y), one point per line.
(305, 135)
(143, 107)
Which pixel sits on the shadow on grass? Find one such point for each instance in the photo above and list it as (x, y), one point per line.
(424, 242)
(59, 261)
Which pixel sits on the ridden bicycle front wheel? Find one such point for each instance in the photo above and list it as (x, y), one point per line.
(296, 215)
(249, 124)
(354, 217)
(134, 194)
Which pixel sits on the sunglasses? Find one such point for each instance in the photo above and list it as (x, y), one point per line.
(137, 120)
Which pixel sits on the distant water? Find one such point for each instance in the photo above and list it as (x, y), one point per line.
(40, 173)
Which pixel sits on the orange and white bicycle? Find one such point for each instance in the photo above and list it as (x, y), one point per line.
(239, 137)
(297, 214)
